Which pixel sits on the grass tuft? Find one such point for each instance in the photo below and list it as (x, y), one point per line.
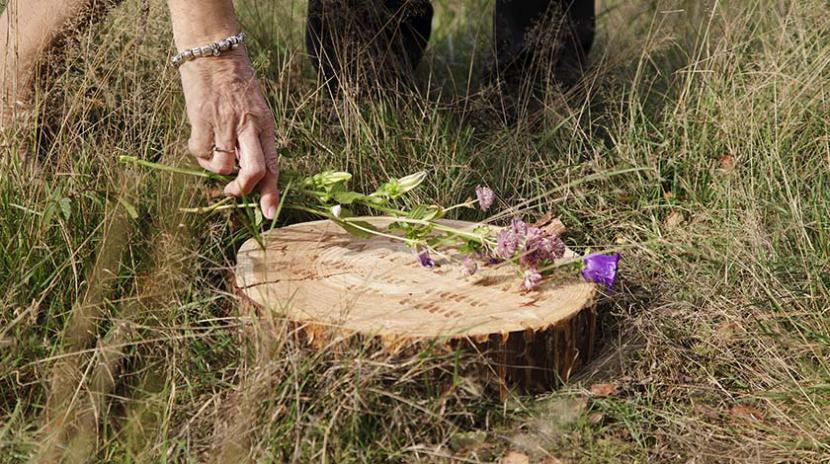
(697, 144)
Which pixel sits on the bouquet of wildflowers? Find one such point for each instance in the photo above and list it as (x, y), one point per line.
(535, 249)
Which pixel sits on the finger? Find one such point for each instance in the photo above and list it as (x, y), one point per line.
(221, 163)
(200, 144)
(269, 186)
(205, 164)
(251, 164)
(224, 145)
(269, 150)
(270, 199)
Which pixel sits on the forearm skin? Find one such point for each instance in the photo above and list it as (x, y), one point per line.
(31, 29)
(201, 22)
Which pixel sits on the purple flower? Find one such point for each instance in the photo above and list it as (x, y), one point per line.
(519, 227)
(601, 269)
(534, 251)
(532, 279)
(470, 266)
(554, 247)
(506, 243)
(486, 197)
(539, 247)
(425, 260)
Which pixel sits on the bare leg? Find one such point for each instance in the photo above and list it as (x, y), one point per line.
(29, 31)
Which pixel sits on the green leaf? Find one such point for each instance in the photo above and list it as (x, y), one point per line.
(395, 188)
(257, 216)
(131, 211)
(330, 178)
(346, 213)
(417, 212)
(433, 212)
(410, 182)
(470, 246)
(426, 212)
(356, 228)
(418, 232)
(46, 220)
(66, 207)
(482, 230)
(396, 226)
(347, 198)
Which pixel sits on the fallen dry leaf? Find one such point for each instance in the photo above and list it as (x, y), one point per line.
(744, 411)
(706, 412)
(596, 418)
(621, 433)
(469, 441)
(728, 331)
(726, 162)
(515, 457)
(674, 220)
(603, 389)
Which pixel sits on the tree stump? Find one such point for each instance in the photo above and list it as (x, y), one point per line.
(331, 283)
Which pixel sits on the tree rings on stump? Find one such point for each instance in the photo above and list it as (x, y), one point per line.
(330, 283)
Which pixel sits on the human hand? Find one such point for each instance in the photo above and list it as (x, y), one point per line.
(230, 120)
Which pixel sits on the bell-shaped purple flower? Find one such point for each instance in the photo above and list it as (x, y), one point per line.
(425, 260)
(486, 197)
(470, 266)
(601, 269)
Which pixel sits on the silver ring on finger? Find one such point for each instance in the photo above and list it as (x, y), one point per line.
(222, 150)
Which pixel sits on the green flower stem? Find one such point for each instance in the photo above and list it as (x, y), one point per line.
(466, 204)
(354, 222)
(561, 263)
(285, 192)
(393, 214)
(219, 206)
(438, 226)
(468, 235)
(175, 170)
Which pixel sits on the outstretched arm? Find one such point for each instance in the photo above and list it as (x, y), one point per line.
(228, 115)
(226, 109)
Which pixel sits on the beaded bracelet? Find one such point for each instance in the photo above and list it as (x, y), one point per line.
(214, 49)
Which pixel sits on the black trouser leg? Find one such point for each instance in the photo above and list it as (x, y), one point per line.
(367, 40)
(529, 32)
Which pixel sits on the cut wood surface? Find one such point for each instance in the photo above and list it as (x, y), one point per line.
(326, 280)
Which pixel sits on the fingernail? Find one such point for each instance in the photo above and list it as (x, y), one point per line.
(271, 213)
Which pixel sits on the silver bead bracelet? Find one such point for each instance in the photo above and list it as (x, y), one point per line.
(215, 49)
